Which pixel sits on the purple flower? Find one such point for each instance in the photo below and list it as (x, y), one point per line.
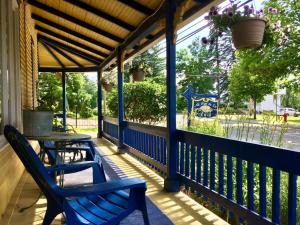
(206, 17)
(230, 14)
(215, 12)
(220, 34)
(274, 11)
(231, 1)
(204, 40)
(270, 9)
(213, 9)
(210, 13)
(211, 41)
(246, 7)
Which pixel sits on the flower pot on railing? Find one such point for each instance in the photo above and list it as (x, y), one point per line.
(107, 87)
(248, 33)
(138, 75)
(37, 123)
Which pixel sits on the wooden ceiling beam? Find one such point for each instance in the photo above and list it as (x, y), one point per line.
(48, 49)
(72, 19)
(62, 53)
(70, 49)
(102, 14)
(69, 69)
(64, 38)
(72, 32)
(137, 6)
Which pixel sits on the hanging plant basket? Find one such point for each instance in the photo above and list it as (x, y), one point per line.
(248, 33)
(107, 87)
(138, 75)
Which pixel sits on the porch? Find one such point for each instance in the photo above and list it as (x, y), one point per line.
(165, 208)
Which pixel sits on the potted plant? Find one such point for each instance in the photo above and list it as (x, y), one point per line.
(247, 26)
(138, 71)
(107, 85)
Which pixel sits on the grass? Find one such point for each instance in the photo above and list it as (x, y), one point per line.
(291, 119)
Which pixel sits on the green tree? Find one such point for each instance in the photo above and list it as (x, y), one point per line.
(143, 102)
(153, 61)
(49, 92)
(279, 57)
(245, 85)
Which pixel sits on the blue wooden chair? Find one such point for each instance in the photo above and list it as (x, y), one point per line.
(103, 203)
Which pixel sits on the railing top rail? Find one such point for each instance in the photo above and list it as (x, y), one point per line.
(149, 129)
(278, 158)
(111, 120)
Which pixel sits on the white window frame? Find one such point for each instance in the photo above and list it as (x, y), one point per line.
(10, 62)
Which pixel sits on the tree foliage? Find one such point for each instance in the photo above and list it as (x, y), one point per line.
(143, 102)
(81, 93)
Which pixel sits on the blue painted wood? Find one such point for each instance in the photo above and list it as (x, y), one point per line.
(120, 98)
(276, 196)
(199, 164)
(193, 167)
(205, 168)
(187, 160)
(221, 174)
(181, 158)
(170, 183)
(212, 171)
(64, 98)
(292, 199)
(239, 181)
(252, 152)
(262, 191)
(250, 185)
(99, 104)
(229, 178)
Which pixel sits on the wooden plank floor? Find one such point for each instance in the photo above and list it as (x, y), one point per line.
(180, 208)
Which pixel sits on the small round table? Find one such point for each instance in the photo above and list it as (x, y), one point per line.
(61, 139)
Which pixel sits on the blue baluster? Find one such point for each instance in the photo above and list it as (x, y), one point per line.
(262, 191)
(292, 199)
(221, 174)
(212, 169)
(193, 162)
(199, 161)
(250, 185)
(229, 178)
(181, 158)
(205, 175)
(187, 160)
(276, 196)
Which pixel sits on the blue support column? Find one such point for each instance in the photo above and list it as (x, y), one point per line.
(171, 184)
(64, 97)
(99, 103)
(120, 100)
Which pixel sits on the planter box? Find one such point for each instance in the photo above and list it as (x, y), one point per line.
(37, 123)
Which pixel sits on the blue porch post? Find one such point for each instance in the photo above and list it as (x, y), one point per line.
(171, 184)
(64, 97)
(120, 100)
(99, 103)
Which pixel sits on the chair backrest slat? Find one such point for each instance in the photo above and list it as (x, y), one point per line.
(32, 162)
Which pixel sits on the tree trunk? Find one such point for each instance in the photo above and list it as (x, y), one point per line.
(254, 107)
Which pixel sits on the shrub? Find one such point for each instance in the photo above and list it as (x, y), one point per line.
(143, 102)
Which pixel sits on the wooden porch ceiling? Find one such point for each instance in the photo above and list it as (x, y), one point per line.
(81, 34)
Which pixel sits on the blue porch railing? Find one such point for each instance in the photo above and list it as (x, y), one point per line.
(110, 128)
(223, 171)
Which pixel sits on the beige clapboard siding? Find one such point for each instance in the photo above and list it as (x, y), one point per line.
(27, 33)
(11, 171)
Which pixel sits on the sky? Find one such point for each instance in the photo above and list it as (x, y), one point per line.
(189, 28)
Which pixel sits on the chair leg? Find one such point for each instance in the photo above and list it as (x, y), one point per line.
(51, 213)
(145, 212)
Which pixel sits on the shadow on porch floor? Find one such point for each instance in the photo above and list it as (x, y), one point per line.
(178, 207)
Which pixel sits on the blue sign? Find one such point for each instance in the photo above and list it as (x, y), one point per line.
(204, 105)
